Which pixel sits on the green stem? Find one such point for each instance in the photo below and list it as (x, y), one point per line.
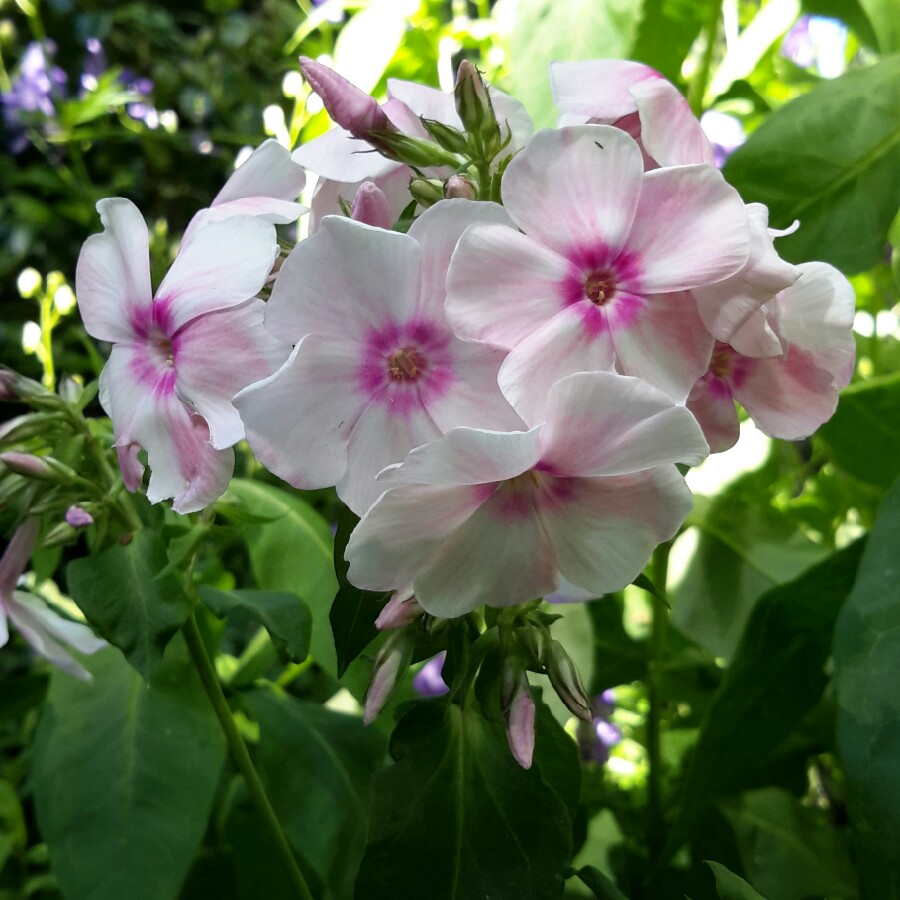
(241, 756)
(658, 575)
(697, 87)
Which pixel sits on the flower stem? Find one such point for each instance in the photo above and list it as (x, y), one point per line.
(659, 570)
(700, 80)
(241, 756)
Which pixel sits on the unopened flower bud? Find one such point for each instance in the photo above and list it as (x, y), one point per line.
(447, 136)
(371, 206)
(29, 283)
(23, 427)
(413, 151)
(28, 464)
(390, 664)
(14, 386)
(533, 640)
(78, 517)
(71, 389)
(426, 191)
(64, 299)
(566, 683)
(473, 103)
(347, 105)
(460, 187)
(518, 712)
(31, 337)
(61, 533)
(402, 609)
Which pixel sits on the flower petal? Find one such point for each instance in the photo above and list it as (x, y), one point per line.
(380, 438)
(112, 280)
(604, 535)
(473, 397)
(712, 405)
(438, 231)
(467, 456)
(224, 264)
(564, 345)
(402, 529)
(602, 423)
(345, 281)
(730, 308)
(502, 285)
(690, 229)
(494, 558)
(299, 420)
(665, 344)
(394, 185)
(217, 355)
(339, 156)
(670, 132)
(428, 102)
(575, 187)
(598, 88)
(269, 171)
(16, 555)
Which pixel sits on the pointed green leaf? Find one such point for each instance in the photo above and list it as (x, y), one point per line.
(602, 887)
(291, 552)
(730, 886)
(317, 765)
(831, 159)
(866, 655)
(787, 641)
(124, 777)
(455, 817)
(283, 614)
(123, 597)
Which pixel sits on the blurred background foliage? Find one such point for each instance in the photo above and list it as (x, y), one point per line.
(158, 101)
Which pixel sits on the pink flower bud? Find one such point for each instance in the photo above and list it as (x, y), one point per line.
(518, 711)
(400, 610)
(458, 186)
(347, 105)
(390, 664)
(567, 684)
(371, 207)
(78, 517)
(27, 464)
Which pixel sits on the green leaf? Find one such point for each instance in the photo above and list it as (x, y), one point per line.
(730, 886)
(455, 817)
(789, 849)
(285, 616)
(666, 32)
(885, 18)
(603, 888)
(867, 408)
(556, 756)
(787, 641)
(546, 30)
(292, 553)
(316, 765)
(831, 159)
(354, 611)
(124, 777)
(866, 654)
(744, 547)
(124, 599)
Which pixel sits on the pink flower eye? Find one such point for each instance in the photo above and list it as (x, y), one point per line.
(406, 364)
(600, 286)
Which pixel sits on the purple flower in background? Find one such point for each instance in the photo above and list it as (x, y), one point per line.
(597, 737)
(725, 133)
(95, 64)
(78, 517)
(819, 42)
(30, 97)
(428, 681)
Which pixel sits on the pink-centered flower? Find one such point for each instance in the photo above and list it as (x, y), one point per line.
(791, 395)
(46, 631)
(636, 99)
(376, 369)
(485, 517)
(179, 357)
(602, 274)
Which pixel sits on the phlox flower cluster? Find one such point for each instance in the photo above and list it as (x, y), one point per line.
(501, 391)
